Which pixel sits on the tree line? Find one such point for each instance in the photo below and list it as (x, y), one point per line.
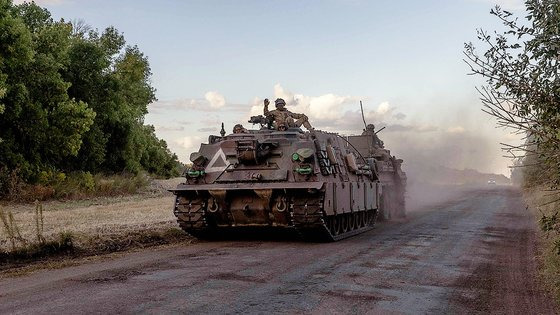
(73, 99)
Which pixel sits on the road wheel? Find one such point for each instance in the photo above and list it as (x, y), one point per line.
(369, 219)
(333, 225)
(358, 219)
(338, 224)
(344, 223)
(351, 221)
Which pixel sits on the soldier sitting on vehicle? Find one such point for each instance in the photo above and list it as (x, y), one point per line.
(370, 131)
(239, 129)
(282, 116)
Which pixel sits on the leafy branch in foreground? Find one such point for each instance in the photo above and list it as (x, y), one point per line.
(522, 69)
(521, 66)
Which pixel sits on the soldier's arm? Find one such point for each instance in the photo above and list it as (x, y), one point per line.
(297, 116)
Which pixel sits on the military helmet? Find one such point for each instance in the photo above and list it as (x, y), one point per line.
(279, 102)
(238, 128)
(370, 127)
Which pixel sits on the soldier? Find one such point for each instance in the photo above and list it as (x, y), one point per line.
(282, 116)
(370, 131)
(239, 129)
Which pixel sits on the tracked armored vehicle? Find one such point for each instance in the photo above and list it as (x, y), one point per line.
(315, 183)
(389, 171)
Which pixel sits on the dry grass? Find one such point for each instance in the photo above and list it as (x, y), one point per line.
(539, 203)
(98, 225)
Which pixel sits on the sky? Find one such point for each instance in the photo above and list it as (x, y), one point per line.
(215, 61)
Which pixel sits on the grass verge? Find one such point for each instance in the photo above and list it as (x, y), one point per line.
(545, 207)
(42, 233)
(64, 247)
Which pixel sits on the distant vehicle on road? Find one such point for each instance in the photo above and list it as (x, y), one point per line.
(491, 182)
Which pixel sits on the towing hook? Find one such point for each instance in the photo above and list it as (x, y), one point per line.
(213, 207)
(281, 205)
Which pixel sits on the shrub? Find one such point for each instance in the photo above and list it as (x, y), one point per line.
(74, 185)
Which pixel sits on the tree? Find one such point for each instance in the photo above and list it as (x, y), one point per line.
(115, 81)
(73, 99)
(40, 125)
(522, 68)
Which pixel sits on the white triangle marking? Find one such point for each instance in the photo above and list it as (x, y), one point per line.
(211, 168)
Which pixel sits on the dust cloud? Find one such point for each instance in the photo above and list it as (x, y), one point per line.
(444, 165)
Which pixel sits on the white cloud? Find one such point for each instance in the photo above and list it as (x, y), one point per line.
(190, 143)
(334, 112)
(215, 99)
(324, 107)
(383, 108)
(328, 106)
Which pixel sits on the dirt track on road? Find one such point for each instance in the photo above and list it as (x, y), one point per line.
(473, 254)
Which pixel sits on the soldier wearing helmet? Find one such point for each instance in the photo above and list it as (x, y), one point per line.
(283, 117)
(239, 129)
(370, 131)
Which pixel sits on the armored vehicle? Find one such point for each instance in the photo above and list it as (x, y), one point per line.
(316, 183)
(389, 171)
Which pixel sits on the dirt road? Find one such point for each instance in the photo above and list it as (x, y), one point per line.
(474, 254)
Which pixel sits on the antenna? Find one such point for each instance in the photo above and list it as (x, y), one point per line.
(363, 118)
(379, 130)
(223, 131)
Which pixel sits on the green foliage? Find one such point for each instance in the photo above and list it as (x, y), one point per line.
(523, 74)
(73, 100)
(522, 69)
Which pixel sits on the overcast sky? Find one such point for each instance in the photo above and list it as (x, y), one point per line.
(215, 61)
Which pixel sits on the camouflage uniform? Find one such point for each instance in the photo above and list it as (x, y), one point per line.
(282, 116)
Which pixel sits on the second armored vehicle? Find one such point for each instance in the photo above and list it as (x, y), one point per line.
(392, 177)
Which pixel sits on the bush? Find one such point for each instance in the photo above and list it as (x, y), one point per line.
(75, 185)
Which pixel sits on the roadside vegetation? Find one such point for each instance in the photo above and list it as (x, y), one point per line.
(77, 163)
(76, 185)
(72, 107)
(521, 65)
(85, 227)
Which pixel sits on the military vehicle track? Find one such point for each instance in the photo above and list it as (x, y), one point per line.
(306, 217)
